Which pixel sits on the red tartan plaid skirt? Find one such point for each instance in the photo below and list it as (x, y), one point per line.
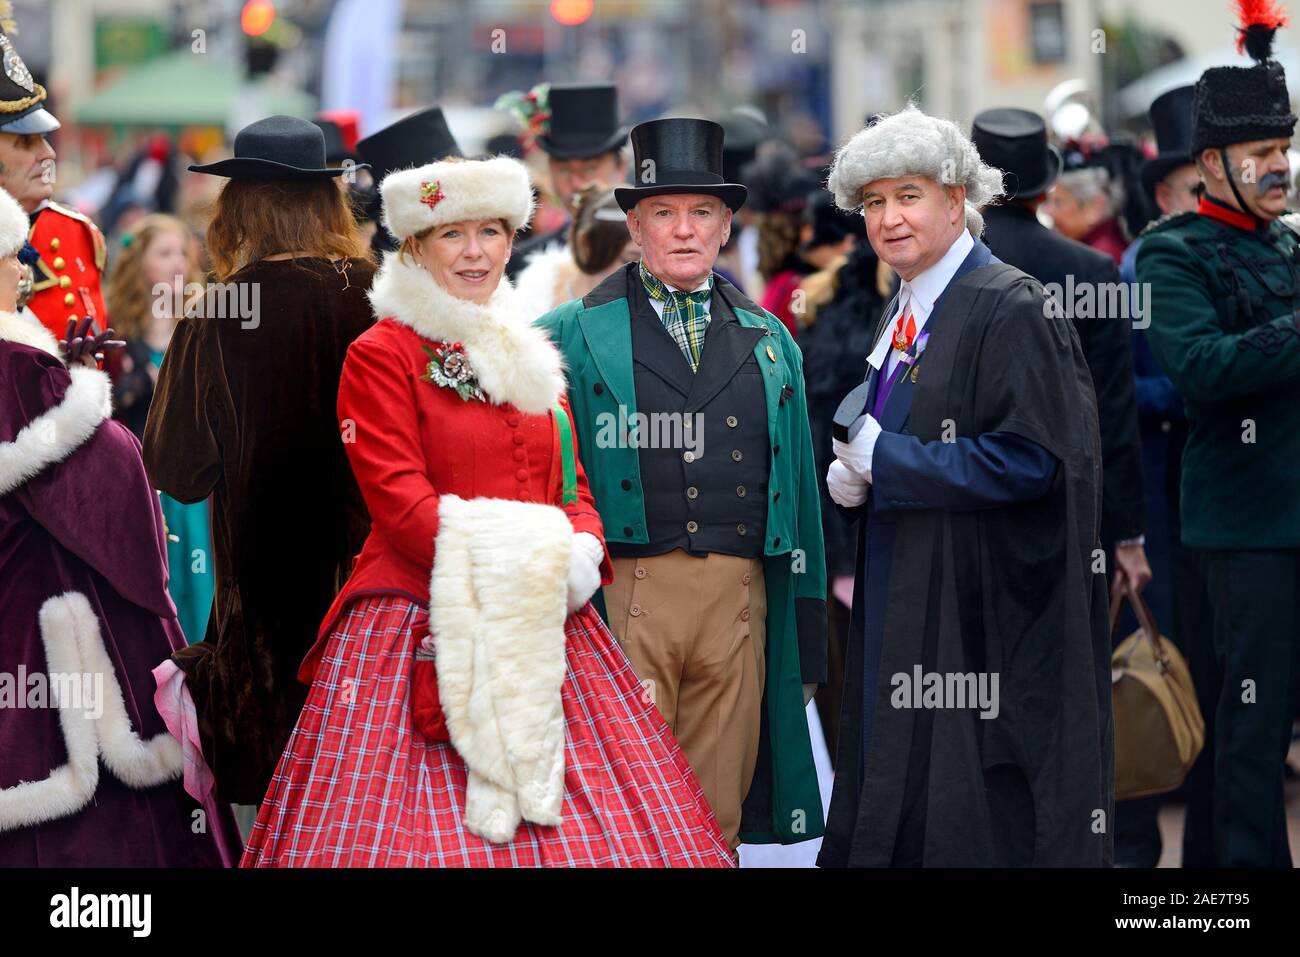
(358, 787)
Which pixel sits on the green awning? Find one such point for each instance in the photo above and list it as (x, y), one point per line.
(185, 89)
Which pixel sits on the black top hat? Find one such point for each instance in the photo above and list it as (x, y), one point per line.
(679, 155)
(830, 224)
(335, 151)
(1171, 118)
(278, 148)
(1015, 141)
(745, 129)
(778, 181)
(414, 140)
(584, 121)
(1234, 104)
(21, 96)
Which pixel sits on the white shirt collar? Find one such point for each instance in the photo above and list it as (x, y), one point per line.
(658, 304)
(921, 292)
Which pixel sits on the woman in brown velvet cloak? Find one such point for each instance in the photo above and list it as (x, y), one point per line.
(244, 412)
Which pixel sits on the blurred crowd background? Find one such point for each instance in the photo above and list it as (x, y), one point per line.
(153, 84)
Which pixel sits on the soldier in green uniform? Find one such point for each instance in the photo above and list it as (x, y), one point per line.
(1224, 293)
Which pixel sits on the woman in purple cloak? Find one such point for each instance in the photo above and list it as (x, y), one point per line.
(89, 774)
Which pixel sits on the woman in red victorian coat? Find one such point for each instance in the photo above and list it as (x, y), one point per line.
(468, 707)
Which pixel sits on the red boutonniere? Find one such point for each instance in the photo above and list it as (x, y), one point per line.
(431, 194)
(449, 368)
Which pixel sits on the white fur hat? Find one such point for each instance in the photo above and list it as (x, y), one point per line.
(14, 226)
(912, 143)
(451, 191)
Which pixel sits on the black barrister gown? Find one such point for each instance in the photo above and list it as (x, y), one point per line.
(1006, 590)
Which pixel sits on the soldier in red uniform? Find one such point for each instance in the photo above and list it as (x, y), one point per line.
(66, 277)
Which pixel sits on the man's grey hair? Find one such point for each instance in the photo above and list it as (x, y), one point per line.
(1093, 181)
(911, 143)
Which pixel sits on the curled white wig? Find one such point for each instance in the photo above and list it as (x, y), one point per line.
(910, 143)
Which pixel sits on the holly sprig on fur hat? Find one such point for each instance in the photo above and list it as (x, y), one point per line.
(1259, 20)
(531, 109)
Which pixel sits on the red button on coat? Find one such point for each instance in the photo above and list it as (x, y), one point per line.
(519, 455)
(513, 421)
(519, 439)
(522, 475)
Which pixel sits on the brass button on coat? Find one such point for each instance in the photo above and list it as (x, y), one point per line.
(65, 282)
(69, 300)
(58, 262)
(55, 243)
(692, 527)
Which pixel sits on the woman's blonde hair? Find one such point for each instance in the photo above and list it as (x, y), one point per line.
(129, 297)
(260, 218)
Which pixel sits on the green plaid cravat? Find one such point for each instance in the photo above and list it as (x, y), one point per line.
(686, 314)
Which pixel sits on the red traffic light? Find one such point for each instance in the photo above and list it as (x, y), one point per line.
(256, 17)
(572, 12)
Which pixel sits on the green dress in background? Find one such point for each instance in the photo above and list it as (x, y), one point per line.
(189, 558)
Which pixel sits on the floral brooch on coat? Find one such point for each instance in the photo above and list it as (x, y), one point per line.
(449, 368)
(912, 358)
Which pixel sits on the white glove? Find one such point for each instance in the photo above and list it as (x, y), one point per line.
(857, 454)
(584, 569)
(846, 488)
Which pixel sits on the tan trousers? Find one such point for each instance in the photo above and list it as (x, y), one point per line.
(693, 629)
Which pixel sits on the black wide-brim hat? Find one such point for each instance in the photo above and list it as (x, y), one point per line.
(277, 148)
(1171, 118)
(416, 140)
(1015, 141)
(678, 155)
(584, 121)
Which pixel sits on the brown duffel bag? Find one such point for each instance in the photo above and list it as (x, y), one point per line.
(1159, 730)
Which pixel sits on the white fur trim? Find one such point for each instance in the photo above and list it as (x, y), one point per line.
(514, 361)
(497, 612)
(17, 327)
(540, 284)
(15, 227)
(474, 189)
(58, 431)
(74, 646)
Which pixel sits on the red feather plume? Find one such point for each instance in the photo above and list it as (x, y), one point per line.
(1258, 20)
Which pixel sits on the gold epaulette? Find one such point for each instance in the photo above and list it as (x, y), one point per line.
(97, 236)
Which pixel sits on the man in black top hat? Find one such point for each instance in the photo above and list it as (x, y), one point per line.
(1170, 177)
(414, 140)
(1172, 186)
(710, 499)
(577, 126)
(1225, 292)
(1015, 141)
